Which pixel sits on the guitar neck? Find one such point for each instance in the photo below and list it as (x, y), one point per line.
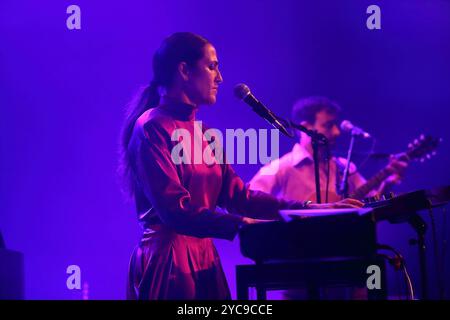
(377, 179)
(372, 183)
(418, 149)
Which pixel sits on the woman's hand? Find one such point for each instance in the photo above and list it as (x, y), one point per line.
(247, 220)
(343, 204)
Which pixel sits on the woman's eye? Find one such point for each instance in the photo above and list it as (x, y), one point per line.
(213, 66)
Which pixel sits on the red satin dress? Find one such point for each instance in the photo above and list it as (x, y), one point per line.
(181, 207)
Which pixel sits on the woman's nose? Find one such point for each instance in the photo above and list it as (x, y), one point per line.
(219, 78)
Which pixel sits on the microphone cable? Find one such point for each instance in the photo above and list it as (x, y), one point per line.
(328, 172)
(399, 263)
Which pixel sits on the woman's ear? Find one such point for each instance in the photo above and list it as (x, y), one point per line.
(183, 70)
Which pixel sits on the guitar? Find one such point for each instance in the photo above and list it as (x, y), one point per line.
(420, 149)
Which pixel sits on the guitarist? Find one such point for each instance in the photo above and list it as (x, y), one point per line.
(292, 176)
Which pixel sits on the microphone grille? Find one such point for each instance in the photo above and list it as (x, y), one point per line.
(241, 91)
(346, 125)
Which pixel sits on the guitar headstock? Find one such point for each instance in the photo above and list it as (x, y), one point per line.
(423, 148)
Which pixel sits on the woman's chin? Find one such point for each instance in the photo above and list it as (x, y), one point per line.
(211, 100)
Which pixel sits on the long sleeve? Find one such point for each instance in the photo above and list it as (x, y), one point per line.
(238, 198)
(160, 181)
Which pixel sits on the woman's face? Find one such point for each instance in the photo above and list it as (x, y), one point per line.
(204, 78)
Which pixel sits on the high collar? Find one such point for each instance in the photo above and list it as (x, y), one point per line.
(179, 110)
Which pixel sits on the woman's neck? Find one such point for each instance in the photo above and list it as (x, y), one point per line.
(178, 108)
(177, 96)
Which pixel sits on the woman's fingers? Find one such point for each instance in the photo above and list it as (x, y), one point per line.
(343, 204)
(352, 202)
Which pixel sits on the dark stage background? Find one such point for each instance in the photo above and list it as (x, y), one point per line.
(63, 92)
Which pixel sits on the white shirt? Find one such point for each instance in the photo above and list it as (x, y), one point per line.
(292, 177)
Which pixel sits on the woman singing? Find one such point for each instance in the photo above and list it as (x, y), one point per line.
(177, 204)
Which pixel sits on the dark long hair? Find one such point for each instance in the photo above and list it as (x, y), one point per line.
(179, 47)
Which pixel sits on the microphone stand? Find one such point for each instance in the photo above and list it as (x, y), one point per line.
(317, 139)
(343, 188)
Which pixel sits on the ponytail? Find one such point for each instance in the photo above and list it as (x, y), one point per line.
(146, 98)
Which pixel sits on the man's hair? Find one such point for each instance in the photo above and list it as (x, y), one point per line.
(306, 109)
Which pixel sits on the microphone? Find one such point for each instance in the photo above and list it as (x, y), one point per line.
(347, 126)
(242, 92)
